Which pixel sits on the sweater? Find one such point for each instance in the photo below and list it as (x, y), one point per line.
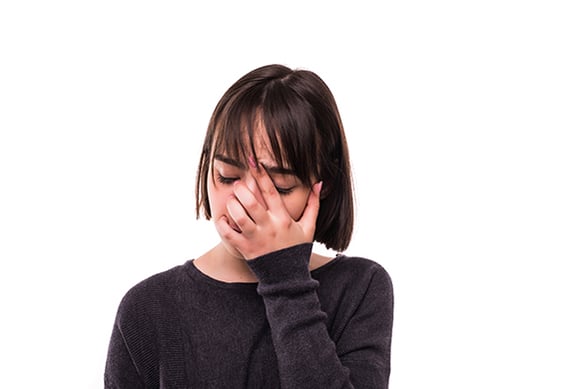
(294, 328)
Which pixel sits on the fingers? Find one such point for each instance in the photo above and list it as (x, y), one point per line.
(254, 209)
(225, 229)
(308, 219)
(245, 210)
(239, 216)
(266, 186)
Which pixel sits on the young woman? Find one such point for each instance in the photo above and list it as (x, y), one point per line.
(260, 309)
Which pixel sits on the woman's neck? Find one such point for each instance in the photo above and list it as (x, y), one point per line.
(219, 263)
(223, 265)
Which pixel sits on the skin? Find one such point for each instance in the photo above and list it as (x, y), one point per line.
(256, 209)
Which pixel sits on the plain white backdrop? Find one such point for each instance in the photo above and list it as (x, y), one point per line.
(464, 121)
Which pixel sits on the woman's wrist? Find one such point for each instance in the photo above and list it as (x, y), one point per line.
(287, 264)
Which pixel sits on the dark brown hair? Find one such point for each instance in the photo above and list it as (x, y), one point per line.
(304, 128)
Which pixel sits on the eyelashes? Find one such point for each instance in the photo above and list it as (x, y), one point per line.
(226, 180)
(230, 180)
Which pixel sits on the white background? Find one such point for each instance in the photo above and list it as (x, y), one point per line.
(464, 120)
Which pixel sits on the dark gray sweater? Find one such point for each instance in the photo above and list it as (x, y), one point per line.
(329, 328)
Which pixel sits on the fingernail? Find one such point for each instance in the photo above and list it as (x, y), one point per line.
(318, 186)
(252, 162)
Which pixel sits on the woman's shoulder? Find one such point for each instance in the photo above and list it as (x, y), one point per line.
(152, 293)
(349, 264)
(349, 284)
(353, 270)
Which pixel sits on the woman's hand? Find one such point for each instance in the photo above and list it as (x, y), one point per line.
(265, 224)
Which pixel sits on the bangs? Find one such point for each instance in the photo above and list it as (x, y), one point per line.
(288, 126)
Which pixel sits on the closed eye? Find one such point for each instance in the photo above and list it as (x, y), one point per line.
(285, 191)
(226, 180)
(230, 180)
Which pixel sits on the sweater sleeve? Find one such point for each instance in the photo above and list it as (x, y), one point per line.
(307, 356)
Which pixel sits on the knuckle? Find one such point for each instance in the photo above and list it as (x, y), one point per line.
(252, 206)
(270, 190)
(228, 234)
(239, 219)
(283, 224)
(272, 234)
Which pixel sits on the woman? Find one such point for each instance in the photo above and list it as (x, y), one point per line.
(260, 309)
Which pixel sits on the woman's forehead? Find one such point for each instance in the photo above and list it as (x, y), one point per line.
(237, 145)
(263, 156)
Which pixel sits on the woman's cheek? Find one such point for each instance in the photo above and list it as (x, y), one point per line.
(217, 201)
(295, 204)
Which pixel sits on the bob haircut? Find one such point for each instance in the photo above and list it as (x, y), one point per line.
(306, 135)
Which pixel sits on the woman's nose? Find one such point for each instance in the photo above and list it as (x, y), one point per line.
(252, 185)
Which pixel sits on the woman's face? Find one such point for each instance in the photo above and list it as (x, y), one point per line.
(225, 171)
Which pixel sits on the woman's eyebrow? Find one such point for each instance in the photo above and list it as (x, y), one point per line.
(271, 169)
(229, 161)
(278, 170)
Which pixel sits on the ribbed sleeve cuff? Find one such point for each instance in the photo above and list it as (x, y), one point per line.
(285, 265)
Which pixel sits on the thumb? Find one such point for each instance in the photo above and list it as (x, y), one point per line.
(308, 219)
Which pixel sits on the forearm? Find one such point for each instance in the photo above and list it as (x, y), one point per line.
(306, 354)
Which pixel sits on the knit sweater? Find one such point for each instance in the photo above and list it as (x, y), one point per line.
(329, 328)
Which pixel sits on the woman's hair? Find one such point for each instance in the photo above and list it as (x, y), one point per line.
(305, 133)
